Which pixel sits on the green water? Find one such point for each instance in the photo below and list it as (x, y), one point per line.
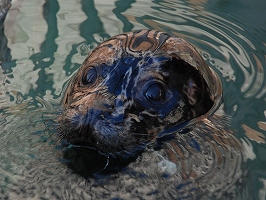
(44, 42)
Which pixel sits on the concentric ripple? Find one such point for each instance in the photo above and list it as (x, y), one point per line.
(43, 43)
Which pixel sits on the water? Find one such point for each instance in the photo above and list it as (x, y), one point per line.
(44, 42)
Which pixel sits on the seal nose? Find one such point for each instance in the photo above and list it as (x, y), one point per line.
(93, 116)
(118, 114)
(88, 119)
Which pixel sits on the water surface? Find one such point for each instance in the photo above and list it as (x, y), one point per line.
(44, 42)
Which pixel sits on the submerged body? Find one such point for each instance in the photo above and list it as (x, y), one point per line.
(134, 88)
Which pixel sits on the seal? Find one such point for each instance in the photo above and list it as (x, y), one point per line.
(136, 87)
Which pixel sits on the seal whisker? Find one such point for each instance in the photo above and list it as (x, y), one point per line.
(106, 165)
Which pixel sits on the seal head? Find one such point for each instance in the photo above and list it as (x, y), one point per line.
(136, 87)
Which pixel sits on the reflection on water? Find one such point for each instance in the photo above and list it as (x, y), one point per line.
(44, 42)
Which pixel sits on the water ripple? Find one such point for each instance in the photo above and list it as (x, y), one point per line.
(39, 53)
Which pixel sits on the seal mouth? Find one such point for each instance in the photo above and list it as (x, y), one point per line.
(89, 162)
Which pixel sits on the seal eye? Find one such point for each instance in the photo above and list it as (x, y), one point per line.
(89, 77)
(155, 92)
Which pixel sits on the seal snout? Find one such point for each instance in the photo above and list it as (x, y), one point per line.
(108, 132)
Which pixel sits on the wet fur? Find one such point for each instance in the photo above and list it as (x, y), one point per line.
(112, 113)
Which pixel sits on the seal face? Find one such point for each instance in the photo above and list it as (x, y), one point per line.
(135, 87)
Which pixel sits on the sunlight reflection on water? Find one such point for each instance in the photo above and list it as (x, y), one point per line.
(46, 41)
